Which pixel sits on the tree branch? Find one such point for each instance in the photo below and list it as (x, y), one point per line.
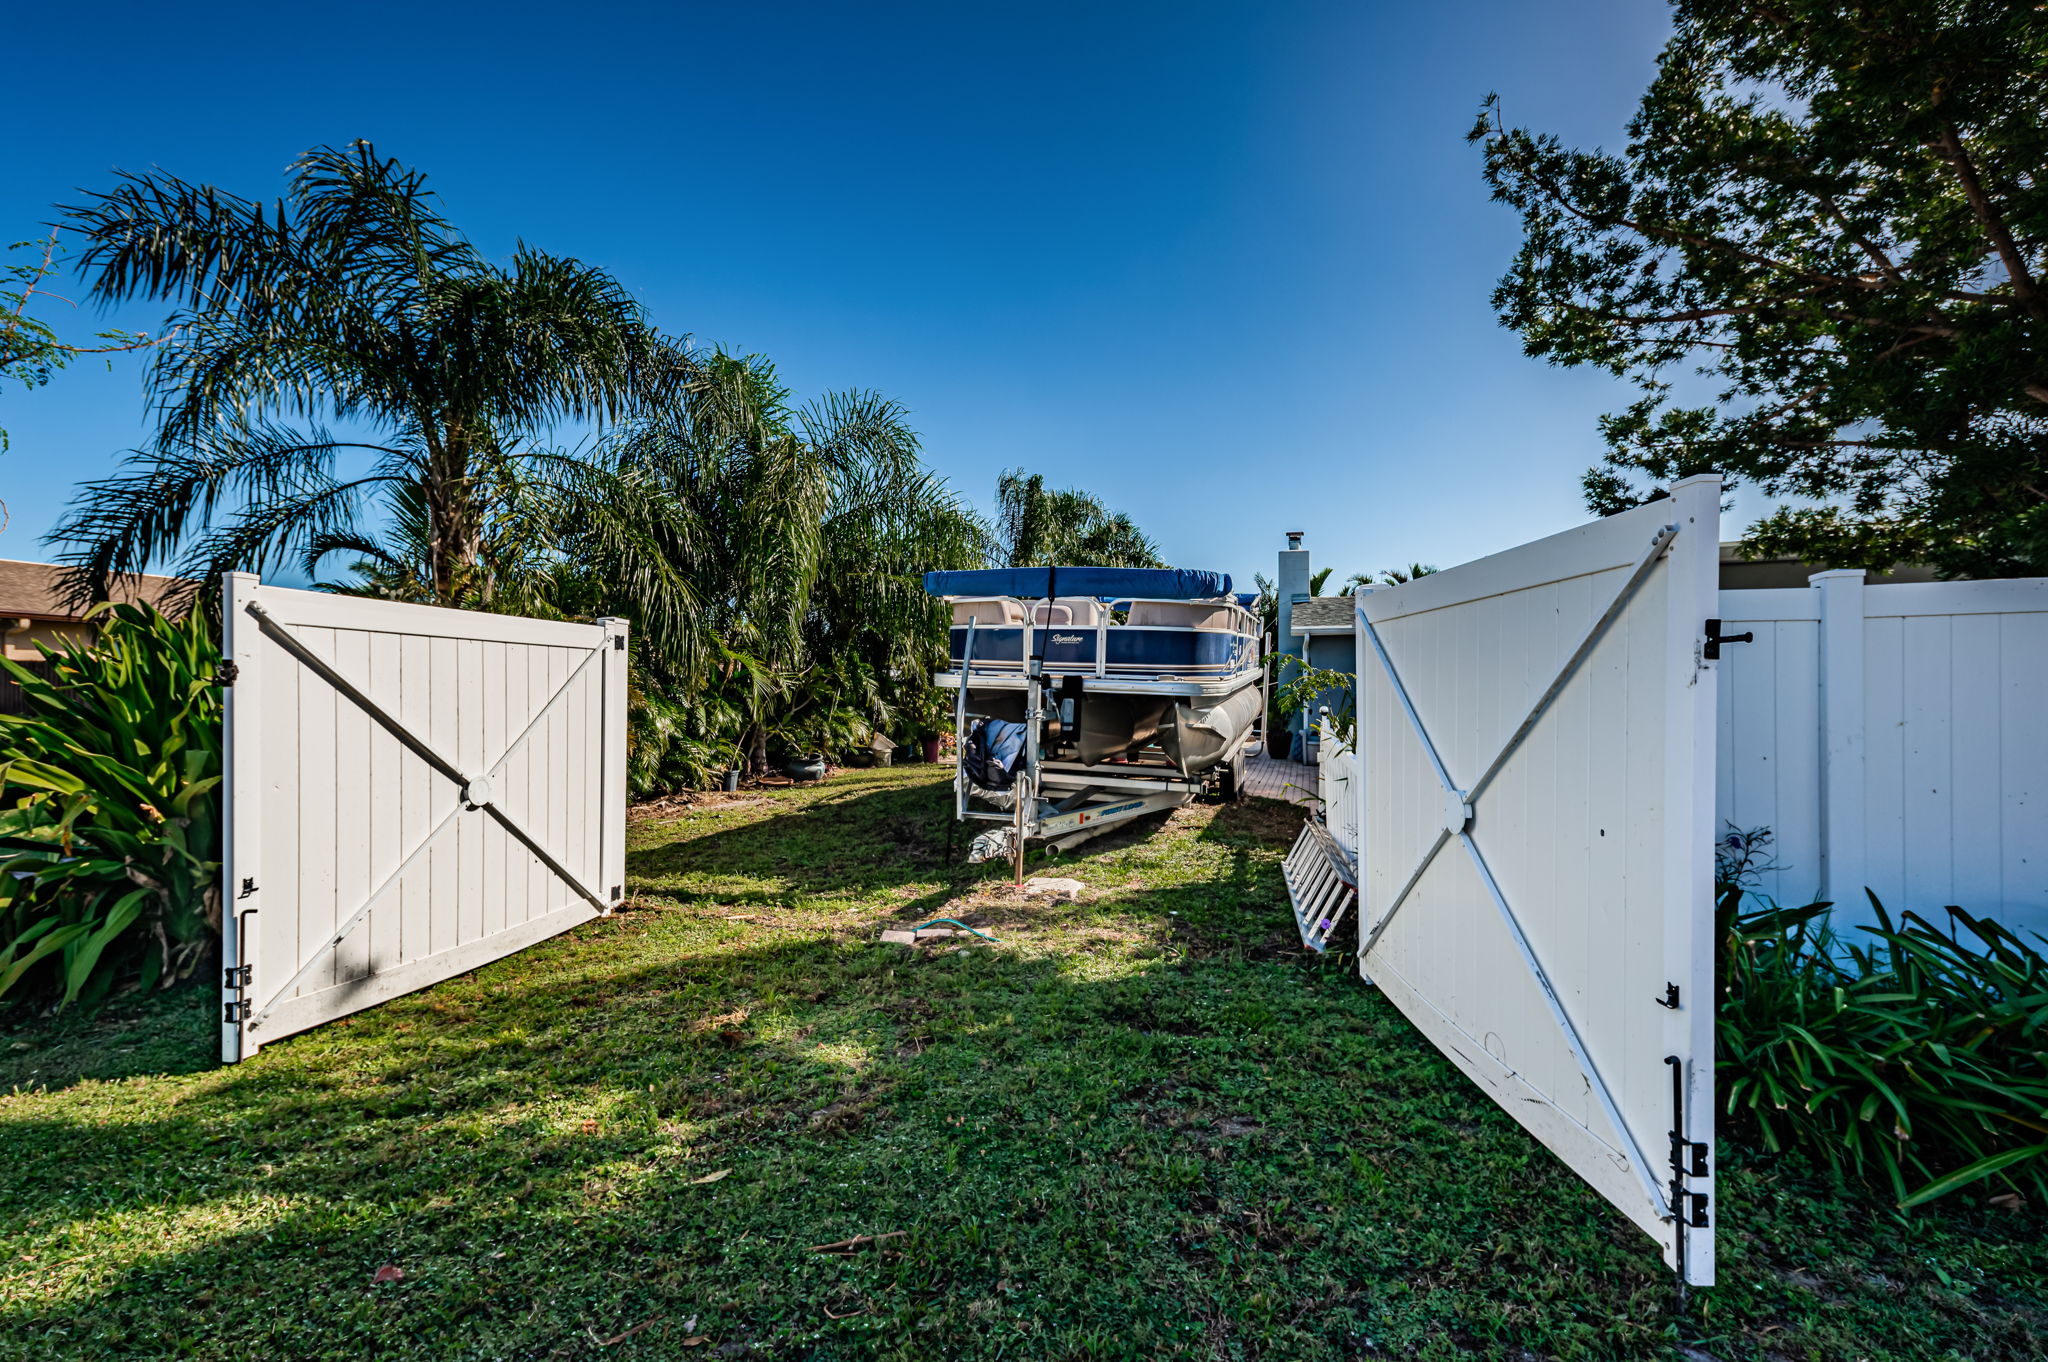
(2023, 286)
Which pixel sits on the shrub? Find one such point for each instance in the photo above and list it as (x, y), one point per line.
(1918, 1056)
(110, 812)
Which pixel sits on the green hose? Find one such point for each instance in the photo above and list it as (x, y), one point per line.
(955, 922)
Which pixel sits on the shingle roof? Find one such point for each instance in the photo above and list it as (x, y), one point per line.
(1322, 612)
(35, 591)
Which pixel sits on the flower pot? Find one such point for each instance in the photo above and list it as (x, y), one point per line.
(931, 749)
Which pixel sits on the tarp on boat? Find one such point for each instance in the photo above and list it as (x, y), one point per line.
(1107, 583)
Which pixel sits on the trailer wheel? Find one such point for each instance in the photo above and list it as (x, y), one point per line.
(1230, 781)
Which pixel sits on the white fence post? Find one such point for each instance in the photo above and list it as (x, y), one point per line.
(241, 800)
(1841, 735)
(613, 855)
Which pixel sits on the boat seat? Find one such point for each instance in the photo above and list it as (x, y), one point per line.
(990, 612)
(1187, 615)
(1068, 612)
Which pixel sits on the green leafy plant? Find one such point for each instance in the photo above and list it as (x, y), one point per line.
(1917, 1057)
(1314, 688)
(110, 811)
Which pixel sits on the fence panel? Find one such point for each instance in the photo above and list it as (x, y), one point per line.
(412, 792)
(1337, 785)
(1536, 737)
(1893, 737)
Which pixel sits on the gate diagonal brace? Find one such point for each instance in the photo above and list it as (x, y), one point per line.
(1459, 806)
(474, 793)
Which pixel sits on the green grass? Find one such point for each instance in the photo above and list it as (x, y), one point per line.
(1143, 1126)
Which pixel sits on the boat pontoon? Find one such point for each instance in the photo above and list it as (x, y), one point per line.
(1087, 696)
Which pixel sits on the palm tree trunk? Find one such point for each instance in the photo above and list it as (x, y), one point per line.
(456, 539)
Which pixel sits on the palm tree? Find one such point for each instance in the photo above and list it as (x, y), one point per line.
(802, 534)
(1043, 526)
(351, 300)
(1396, 576)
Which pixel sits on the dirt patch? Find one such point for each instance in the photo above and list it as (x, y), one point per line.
(686, 801)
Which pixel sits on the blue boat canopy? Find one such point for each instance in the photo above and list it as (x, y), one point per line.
(1107, 583)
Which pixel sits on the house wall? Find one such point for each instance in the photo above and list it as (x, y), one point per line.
(21, 639)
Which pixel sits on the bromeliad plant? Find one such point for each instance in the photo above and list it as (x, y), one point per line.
(110, 811)
(1920, 1057)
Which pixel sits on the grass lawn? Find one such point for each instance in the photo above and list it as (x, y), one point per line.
(1138, 1127)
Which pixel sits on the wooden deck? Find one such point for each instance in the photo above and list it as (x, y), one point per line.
(1269, 778)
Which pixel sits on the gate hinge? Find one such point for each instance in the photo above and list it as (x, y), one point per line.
(618, 893)
(227, 673)
(237, 976)
(1670, 998)
(1715, 638)
(1692, 1209)
(1688, 1157)
(619, 642)
(235, 1010)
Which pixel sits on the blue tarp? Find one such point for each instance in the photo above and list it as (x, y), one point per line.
(1108, 583)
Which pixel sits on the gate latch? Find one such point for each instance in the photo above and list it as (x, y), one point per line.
(1715, 638)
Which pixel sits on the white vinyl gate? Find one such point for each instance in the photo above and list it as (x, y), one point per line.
(1536, 737)
(411, 792)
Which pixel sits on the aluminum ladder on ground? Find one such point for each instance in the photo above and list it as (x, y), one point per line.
(1321, 882)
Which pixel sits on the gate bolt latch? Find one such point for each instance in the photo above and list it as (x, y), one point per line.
(1715, 638)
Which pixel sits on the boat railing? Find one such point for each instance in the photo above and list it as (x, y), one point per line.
(1105, 622)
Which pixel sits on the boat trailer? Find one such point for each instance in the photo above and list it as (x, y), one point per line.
(1061, 804)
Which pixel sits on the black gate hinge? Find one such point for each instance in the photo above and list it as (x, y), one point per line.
(238, 976)
(227, 673)
(1670, 998)
(1694, 1214)
(1715, 638)
(235, 1010)
(619, 642)
(1688, 1157)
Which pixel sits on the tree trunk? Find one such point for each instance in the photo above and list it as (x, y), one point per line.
(455, 531)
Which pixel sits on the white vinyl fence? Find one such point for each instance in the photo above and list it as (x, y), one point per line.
(1536, 743)
(411, 793)
(1337, 785)
(1894, 737)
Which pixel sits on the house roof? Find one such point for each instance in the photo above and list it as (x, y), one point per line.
(1321, 615)
(36, 591)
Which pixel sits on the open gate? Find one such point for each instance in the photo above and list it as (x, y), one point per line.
(411, 792)
(1536, 732)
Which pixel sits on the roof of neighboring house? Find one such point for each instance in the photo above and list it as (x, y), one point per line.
(36, 591)
(1321, 615)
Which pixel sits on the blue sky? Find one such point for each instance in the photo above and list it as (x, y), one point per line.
(1225, 265)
